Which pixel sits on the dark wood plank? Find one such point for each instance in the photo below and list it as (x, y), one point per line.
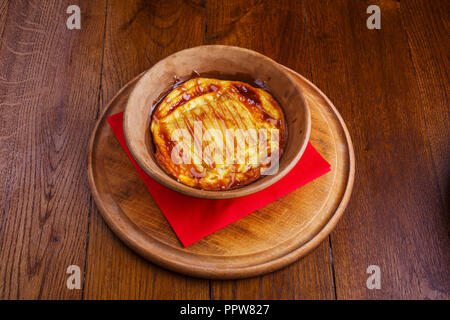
(3, 12)
(138, 34)
(278, 30)
(49, 80)
(427, 27)
(309, 278)
(396, 217)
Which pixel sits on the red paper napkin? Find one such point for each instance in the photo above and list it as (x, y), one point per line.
(193, 219)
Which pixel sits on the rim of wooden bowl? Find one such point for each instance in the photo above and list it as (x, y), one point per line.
(165, 179)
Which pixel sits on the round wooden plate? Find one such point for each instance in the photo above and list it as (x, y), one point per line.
(262, 242)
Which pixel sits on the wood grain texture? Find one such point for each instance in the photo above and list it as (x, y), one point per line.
(390, 85)
(49, 80)
(138, 34)
(427, 25)
(276, 29)
(396, 207)
(3, 12)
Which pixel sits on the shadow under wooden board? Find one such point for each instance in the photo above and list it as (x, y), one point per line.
(264, 241)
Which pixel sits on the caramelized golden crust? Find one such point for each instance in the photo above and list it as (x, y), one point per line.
(193, 123)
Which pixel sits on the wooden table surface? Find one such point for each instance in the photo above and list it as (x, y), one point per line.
(390, 85)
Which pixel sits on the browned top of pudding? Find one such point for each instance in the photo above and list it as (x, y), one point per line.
(217, 134)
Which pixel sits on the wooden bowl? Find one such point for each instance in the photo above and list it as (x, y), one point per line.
(230, 62)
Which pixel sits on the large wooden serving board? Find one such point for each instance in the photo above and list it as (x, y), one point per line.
(264, 241)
